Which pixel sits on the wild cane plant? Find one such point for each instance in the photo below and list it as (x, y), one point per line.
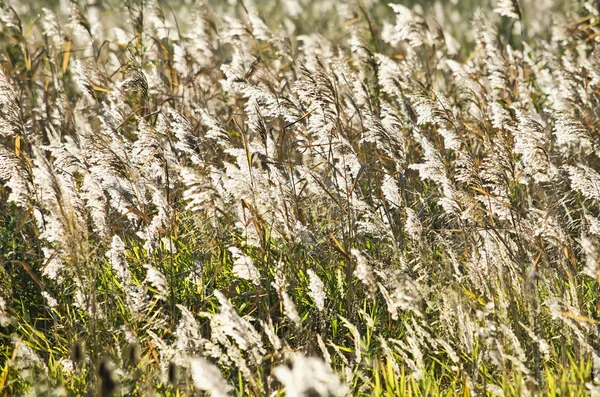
(199, 200)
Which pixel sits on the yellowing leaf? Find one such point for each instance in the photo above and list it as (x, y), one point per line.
(579, 318)
(98, 88)
(65, 63)
(338, 245)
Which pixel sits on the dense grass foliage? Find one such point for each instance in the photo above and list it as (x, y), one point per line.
(312, 199)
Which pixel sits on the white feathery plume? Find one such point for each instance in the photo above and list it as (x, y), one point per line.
(11, 123)
(14, 174)
(543, 346)
(50, 300)
(409, 27)
(25, 357)
(594, 225)
(500, 117)
(201, 46)
(391, 76)
(433, 168)
(411, 350)
(160, 221)
(116, 257)
(309, 375)
(202, 193)
(208, 378)
(4, 319)
(518, 357)
(339, 278)
(316, 290)
(356, 338)
(391, 191)
(557, 307)
(157, 280)
(269, 330)
(215, 130)
(430, 110)
(188, 337)
(244, 267)
(228, 324)
(532, 142)
(50, 26)
(260, 29)
(508, 8)
(413, 225)
(54, 268)
(585, 180)
(323, 348)
(289, 307)
(180, 60)
(316, 88)
(363, 272)
(570, 132)
(187, 142)
(405, 293)
(497, 66)
(591, 253)
(96, 202)
(147, 154)
(135, 295)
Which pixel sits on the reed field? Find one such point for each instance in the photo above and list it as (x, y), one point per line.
(299, 198)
